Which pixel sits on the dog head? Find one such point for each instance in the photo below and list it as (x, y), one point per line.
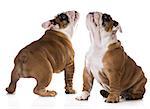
(108, 25)
(63, 22)
(102, 24)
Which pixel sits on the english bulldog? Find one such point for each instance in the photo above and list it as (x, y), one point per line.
(107, 62)
(52, 53)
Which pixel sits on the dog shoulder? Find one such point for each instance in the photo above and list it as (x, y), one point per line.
(114, 58)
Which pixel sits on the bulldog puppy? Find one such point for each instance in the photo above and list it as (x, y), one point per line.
(52, 53)
(107, 62)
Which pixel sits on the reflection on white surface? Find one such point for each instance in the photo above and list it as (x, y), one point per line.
(13, 102)
(43, 103)
(64, 101)
(68, 102)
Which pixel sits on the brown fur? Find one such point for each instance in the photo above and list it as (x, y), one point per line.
(120, 76)
(109, 26)
(50, 54)
(62, 24)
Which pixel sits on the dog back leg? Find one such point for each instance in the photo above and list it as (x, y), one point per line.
(43, 78)
(41, 85)
(14, 78)
(137, 91)
(104, 93)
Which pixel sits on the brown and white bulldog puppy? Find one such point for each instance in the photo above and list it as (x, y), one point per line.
(107, 62)
(52, 53)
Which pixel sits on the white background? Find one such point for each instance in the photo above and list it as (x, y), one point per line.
(20, 24)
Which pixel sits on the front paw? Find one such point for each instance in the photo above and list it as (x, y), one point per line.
(71, 91)
(84, 96)
(112, 98)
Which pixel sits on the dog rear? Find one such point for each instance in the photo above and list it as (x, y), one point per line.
(50, 54)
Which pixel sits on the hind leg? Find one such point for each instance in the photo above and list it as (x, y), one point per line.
(14, 78)
(42, 83)
(137, 91)
(104, 93)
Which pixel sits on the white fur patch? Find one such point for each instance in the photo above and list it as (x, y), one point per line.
(99, 45)
(68, 31)
(83, 96)
(95, 56)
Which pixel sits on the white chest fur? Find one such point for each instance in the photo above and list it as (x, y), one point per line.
(94, 59)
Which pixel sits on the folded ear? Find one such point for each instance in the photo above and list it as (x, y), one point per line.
(47, 25)
(118, 27)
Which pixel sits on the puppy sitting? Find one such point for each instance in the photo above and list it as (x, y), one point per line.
(107, 62)
(52, 53)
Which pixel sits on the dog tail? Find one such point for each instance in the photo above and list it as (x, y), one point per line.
(104, 93)
(20, 62)
(22, 56)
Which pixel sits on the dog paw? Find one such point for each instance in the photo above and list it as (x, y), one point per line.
(112, 98)
(133, 96)
(45, 93)
(10, 90)
(51, 93)
(84, 96)
(72, 91)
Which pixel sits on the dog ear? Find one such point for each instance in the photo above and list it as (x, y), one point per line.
(108, 26)
(115, 29)
(47, 25)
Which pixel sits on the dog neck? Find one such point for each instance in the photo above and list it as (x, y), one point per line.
(67, 31)
(102, 41)
(95, 37)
